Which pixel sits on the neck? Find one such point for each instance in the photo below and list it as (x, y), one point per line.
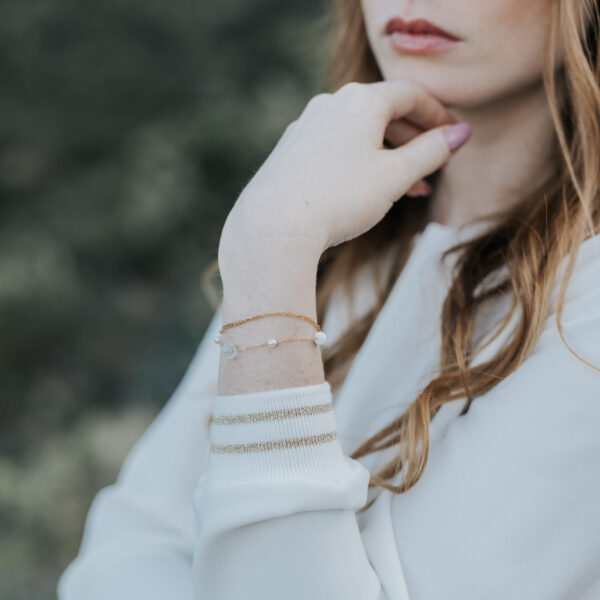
(509, 153)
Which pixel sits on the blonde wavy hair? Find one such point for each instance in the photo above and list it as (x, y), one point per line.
(529, 241)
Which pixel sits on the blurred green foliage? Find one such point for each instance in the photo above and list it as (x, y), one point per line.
(127, 130)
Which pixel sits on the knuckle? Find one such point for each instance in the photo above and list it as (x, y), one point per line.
(405, 85)
(355, 90)
(410, 87)
(413, 92)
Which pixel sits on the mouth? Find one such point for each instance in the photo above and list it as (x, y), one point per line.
(419, 36)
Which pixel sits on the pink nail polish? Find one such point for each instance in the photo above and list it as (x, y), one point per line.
(456, 135)
(420, 188)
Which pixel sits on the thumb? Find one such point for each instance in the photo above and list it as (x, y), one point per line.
(426, 153)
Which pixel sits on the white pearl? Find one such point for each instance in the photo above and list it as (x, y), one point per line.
(229, 350)
(320, 338)
(218, 338)
(272, 342)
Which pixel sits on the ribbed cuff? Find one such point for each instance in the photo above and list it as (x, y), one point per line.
(285, 433)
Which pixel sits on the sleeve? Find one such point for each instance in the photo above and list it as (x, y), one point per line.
(276, 505)
(139, 535)
(507, 506)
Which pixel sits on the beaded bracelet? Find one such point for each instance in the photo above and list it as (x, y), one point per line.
(231, 350)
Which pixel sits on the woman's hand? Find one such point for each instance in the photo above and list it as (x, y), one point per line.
(398, 132)
(329, 178)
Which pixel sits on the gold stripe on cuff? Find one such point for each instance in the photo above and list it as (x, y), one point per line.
(310, 440)
(272, 415)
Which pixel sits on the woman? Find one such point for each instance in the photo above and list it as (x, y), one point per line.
(444, 442)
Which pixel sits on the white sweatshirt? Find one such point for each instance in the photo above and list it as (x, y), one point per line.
(263, 505)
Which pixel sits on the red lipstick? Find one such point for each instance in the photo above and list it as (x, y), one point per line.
(418, 36)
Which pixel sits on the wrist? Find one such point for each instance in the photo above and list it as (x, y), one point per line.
(267, 274)
(244, 234)
(260, 274)
(257, 252)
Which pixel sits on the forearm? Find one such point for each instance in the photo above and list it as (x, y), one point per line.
(281, 476)
(263, 275)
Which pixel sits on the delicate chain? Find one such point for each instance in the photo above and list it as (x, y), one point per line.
(309, 338)
(282, 313)
(231, 350)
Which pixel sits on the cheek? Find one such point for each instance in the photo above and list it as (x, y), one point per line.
(373, 12)
(514, 35)
(504, 51)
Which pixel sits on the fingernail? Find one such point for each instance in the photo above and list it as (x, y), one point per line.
(456, 135)
(424, 188)
(420, 188)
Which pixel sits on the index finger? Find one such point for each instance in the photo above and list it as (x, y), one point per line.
(405, 99)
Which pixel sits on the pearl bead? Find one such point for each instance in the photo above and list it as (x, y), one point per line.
(320, 338)
(218, 338)
(229, 350)
(272, 342)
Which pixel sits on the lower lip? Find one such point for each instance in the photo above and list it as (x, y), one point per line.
(420, 43)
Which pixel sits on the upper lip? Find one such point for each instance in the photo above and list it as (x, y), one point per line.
(416, 26)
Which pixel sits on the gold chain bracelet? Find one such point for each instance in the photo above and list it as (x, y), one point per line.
(231, 350)
(282, 313)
